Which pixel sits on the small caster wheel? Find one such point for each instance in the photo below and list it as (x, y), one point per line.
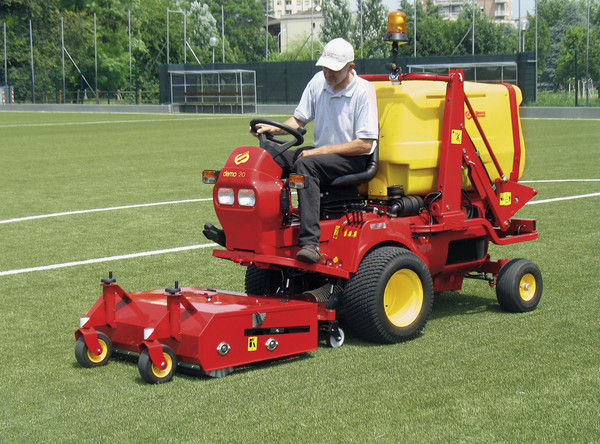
(87, 358)
(336, 340)
(153, 374)
(519, 286)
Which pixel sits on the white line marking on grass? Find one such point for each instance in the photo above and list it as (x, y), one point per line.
(101, 122)
(106, 259)
(96, 210)
(558, 180)
(591, 119)
(556, 199)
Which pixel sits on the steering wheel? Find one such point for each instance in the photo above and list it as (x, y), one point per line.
(271, 143)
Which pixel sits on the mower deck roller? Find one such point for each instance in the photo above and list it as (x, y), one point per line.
(390, 239)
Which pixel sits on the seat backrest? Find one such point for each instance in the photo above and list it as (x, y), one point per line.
(362, 176)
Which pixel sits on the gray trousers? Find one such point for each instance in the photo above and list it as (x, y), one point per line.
(320, 169)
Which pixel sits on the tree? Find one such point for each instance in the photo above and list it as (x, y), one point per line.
(298, 49)
(544, 41)
(374, 19)
(244, 31)
(337, 20)
(559, 16)
(201, 26)
(573, 42)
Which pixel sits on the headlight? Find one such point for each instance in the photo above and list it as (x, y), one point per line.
(225, 196)
(246, 198)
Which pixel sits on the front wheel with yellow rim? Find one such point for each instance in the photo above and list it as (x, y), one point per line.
(390, 297)
(154, 374)
(519, 286)
(87, 358)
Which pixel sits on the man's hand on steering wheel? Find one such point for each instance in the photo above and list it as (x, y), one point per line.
(264, 130)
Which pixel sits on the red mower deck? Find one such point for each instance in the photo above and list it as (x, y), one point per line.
(213, 329)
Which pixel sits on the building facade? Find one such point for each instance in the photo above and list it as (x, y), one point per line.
(296, 27)
(497, 10)
(281, 8)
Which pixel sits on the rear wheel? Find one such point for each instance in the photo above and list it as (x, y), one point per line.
(153, 374)
(519, 286)
(262, 281)
(87, 358)
(390, 297)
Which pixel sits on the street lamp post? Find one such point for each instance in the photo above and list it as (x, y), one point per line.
(266, 31)
(473, 42)
(415, 30)
(213, 41)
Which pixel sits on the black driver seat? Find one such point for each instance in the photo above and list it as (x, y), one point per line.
(363, 176)
(343, 191)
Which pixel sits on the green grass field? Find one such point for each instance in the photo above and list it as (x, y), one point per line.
(476, 373)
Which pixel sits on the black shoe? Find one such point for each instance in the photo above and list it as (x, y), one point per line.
(309, 254)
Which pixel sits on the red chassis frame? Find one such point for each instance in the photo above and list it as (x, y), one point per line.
(197, 322)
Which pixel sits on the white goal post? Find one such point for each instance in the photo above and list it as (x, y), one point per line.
(216, 91)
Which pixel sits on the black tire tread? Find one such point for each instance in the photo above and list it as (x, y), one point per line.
(81, 350)
(361, 298)
(507, 285)
(145, 366)
(260, 281)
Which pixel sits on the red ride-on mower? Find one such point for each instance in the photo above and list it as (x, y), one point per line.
(414, 223)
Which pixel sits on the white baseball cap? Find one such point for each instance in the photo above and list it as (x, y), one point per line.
(336, 54)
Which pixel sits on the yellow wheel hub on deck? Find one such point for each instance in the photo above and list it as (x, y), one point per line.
(98, 358)
(403, 297)
(161, 373)
(527, 287)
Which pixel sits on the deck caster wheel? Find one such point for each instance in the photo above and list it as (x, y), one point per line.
(336, 340)
(88, 359)
(219, 373)
(390, 296)
(153, 374)
(519, 286)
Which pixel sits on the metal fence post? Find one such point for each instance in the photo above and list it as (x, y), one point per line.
(62, 52)
(5, 61)
(32, 75)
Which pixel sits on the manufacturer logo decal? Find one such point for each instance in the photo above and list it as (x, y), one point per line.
(242, 158)
(479, 114)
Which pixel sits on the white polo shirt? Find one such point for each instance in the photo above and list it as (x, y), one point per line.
(339, 117)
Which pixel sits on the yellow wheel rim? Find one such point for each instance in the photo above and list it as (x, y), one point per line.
(527, 287)
(98, 358)
(403, 297)
(162, 373)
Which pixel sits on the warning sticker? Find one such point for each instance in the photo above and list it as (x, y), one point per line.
(505, 199)
(456, 138)
(252, 343)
